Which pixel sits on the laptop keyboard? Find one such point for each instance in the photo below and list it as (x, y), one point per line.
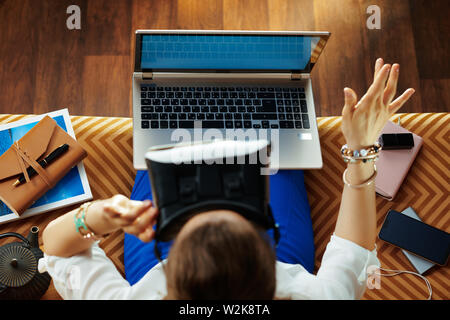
(223, 107)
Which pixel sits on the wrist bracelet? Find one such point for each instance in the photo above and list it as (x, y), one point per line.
(365, 155)
(361, 185)
(80, 223)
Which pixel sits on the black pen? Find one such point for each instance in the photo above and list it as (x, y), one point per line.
(43, 163)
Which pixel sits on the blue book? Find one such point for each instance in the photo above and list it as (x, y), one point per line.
(73, 188)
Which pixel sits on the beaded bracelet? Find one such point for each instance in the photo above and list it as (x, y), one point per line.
(80, 223)
(365, 155)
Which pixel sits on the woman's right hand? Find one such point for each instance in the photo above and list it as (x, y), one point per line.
(133, 217)
(363, 120)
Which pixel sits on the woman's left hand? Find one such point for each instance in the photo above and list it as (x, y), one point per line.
(363, 120)
(133, 217)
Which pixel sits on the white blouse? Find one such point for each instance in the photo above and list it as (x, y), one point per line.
(92, 275)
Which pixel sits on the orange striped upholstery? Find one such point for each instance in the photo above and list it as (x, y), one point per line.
(108, 142)
(425, 189)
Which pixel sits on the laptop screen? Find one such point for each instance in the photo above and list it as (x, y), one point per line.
(228, 52)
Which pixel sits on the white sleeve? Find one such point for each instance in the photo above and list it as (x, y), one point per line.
(88, 275)
(343, 270)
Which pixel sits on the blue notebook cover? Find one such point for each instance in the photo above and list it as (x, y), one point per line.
(72, 188)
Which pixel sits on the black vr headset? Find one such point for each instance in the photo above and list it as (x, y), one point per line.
(190, 179)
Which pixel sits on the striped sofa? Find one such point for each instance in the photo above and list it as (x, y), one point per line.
(108, 142)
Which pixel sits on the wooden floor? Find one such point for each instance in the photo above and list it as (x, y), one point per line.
(44, 66)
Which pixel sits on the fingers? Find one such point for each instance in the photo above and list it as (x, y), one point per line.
(127, 210)
(350, 103)
(391, 87)
(148, 218)
(378, 64)
(116, 205)
(377, 87)
(398, 103)
(147, 235)
(136, 208)
(143, 225)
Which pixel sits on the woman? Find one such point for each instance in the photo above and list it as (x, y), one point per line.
(220, 255)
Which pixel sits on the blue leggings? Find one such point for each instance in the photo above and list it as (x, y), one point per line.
(290, 208)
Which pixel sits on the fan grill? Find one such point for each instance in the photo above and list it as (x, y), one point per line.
(16, 274)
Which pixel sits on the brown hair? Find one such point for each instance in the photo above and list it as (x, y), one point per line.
(221, 258)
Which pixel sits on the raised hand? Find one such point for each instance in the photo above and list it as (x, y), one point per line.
(363, 120)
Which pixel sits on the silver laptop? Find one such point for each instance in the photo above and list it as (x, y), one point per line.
(199, 85)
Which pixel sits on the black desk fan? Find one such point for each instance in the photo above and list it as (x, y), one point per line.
(19, 276)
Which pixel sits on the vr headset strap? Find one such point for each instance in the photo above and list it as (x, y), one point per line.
(275, 226)
(157, 253)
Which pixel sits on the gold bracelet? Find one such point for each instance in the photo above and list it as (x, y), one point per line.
(361, 185)
(80, 223)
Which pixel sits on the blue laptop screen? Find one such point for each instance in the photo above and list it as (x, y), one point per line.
(226, 51)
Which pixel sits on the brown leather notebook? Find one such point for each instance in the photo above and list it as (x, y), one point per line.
(35, 145)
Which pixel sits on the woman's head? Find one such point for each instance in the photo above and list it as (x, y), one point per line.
(220, 255)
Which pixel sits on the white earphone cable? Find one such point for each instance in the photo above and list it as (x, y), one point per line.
(397, 272)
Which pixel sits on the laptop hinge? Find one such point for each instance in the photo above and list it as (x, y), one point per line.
(218, 75)
(147, 75)
(299, 76)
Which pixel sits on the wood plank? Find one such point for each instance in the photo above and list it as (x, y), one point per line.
(203, 15)
(342, 61)
(51, 293)
(17, 64)
(42, 63)
(435, 94)
(394, 42)
(59, 60)
(291, 15)
(107, 95)
(108, 63)
(107, 26)
(245, 15)
(431, 30)
(153, 14)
